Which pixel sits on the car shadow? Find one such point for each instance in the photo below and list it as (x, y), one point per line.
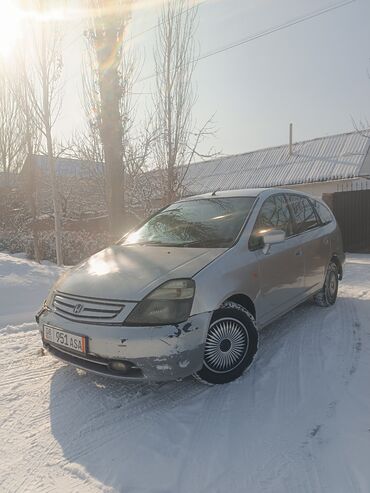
(91, 414)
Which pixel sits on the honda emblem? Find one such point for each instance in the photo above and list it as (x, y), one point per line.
(78, 309)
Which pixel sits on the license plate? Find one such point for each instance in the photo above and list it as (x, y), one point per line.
(65, 339)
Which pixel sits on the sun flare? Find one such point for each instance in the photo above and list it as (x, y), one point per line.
(9, 27)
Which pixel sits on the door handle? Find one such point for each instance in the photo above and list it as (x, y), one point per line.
(299, 253)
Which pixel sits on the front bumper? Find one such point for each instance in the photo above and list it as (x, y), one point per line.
(161, 353)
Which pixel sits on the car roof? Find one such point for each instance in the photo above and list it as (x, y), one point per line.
(246, 192)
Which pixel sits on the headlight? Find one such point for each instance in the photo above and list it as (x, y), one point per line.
(169, 304)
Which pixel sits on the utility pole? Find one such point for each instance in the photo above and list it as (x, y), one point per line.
(290, 139)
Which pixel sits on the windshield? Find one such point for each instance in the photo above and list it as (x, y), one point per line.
(213, 223)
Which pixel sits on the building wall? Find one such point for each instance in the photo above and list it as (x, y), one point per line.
(318, 189)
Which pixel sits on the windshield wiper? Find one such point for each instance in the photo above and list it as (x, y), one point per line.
(152, 243)
(205, 243)
(212, 242)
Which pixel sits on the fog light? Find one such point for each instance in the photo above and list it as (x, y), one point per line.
(119, 366)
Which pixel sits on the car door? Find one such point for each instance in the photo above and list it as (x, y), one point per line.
(314, 239)
(281, 270)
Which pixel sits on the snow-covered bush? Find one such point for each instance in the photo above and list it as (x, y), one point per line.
(76, 245)
(16, 235)
(14, 213)
(13, 242)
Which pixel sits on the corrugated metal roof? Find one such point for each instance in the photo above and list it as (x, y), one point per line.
(336, 157)
(69, 167)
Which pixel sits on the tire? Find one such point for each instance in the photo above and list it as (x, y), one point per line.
(231, 345)
(328, 293)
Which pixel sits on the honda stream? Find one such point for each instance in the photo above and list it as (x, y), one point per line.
(186, 292)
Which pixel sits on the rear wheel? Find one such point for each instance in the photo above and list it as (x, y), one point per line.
(230, 346)
(328, 294)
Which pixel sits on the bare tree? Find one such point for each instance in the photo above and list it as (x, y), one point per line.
(137, 137)
(12, 130)
(175, 60)
(138, 154)
(43, 93)
(106, 34)
(86, 147)
(31, 139)
(86, 144)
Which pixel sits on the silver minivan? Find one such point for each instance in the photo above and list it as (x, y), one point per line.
(186, 292)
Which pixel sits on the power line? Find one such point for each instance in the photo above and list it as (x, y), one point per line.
(267, 32)
(280, 27)
(196, 5)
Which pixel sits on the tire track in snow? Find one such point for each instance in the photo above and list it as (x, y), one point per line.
(345, 337)
(207, 417)
(30, 419)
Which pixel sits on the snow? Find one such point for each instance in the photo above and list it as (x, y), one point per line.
(22, 283)
(298, 421)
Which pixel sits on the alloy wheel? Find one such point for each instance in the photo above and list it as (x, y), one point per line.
(226, 345)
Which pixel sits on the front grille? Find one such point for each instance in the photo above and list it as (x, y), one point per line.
(86, 309)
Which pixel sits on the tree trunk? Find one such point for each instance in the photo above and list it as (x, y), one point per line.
(105, 40)
(111, 128)
(33, 204)
(50, 154)
(57, 221)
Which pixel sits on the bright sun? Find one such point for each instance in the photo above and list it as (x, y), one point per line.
(9, 26)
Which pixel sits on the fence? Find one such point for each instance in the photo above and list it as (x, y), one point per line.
(352, 211)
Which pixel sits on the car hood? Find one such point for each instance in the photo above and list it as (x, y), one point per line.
(131, 272)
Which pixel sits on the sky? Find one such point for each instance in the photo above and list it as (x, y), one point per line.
(313, 74)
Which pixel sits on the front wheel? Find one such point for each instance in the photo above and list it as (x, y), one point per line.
(231, 344)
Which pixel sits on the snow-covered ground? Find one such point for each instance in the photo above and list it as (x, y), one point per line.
(298, 421)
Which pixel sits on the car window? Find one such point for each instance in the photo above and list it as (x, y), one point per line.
(204, 223)
(323, 211)
(274, 214)
(303, 212)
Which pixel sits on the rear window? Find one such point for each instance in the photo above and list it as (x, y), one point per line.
(323, 211)
(304, 214)
(274, 214)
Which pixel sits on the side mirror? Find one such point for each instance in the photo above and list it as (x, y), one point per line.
(272, 237)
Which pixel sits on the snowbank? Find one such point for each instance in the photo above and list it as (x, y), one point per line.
(23, 287)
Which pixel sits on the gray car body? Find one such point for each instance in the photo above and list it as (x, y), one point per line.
(268, 284)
